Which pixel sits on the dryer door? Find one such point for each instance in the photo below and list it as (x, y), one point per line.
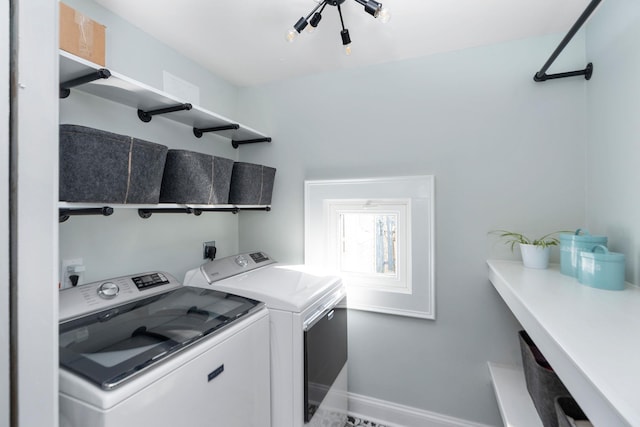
(325, 354)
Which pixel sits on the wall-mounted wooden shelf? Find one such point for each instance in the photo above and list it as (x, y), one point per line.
(67, 209)
(116, 87)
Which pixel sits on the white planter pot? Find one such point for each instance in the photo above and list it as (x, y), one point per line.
(535, 256)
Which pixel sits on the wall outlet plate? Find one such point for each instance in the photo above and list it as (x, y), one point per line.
(69, 267)
(207, 247)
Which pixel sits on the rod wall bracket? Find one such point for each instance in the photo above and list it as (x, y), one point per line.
(146, 116)
(236, 144)
(198, 132)
(65, 88)
(64, 214)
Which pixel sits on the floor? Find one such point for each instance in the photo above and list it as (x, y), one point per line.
(358, 422)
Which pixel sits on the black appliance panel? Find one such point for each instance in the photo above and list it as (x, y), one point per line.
(325, 354)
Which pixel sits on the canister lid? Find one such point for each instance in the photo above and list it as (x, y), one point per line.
(583, 236)
(602, 254)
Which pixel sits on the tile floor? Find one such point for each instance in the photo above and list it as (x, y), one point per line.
(359, 422)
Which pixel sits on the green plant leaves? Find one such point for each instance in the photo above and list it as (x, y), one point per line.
(512, 238)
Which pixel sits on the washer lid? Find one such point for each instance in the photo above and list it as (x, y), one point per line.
(113, 345)
(282, 287)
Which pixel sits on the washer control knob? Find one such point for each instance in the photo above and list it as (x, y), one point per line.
(108, 290)
(241, 261)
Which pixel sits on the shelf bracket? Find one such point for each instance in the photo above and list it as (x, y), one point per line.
(236, 144)
(542, 75)
(198, 132)
(65, 88)
(64, 214)
(146, 213)
(262, 208)
(233, 210)
(146, 116)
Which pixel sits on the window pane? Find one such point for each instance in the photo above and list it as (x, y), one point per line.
(368, 243)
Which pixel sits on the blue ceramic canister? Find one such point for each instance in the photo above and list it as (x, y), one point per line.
(570, 247)
(602, 269)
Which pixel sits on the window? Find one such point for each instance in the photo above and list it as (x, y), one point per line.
(377, 234)
(368, 243)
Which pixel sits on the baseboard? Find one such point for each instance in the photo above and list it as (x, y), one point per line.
(394, 415)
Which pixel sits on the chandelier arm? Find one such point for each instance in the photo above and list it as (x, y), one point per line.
(322, 4)
(340, 14)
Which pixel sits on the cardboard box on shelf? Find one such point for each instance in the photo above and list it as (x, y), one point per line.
(81, 35)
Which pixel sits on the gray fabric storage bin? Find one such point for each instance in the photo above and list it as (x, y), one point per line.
(542, 382)
(251, 184)
(197, 178)
(104, 167)
(568, 409)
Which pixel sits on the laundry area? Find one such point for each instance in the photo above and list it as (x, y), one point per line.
(319, 213)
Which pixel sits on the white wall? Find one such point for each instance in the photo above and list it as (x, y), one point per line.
(613, 162)
(4, 215)
(34, 228)
(505, 152)
(124, 243)
(134, 53)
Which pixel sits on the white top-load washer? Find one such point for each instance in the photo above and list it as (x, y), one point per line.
(146, 351)
(308, 318)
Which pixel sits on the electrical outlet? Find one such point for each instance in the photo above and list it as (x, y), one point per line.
(71, 267)
(209, 249)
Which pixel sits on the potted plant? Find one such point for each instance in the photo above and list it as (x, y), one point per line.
(535, 252)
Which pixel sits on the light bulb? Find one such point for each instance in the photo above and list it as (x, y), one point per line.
(384, 15)
(347, 49)
(291, 35)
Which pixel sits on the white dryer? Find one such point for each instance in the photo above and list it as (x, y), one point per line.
(308, 325)
(145, 351)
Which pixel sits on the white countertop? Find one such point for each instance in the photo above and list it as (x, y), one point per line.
(591, 337)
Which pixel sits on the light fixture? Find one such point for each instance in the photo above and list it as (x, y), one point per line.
(312, 20)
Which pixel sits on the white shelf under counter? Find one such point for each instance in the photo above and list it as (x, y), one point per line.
(514, 401)
(590, 336)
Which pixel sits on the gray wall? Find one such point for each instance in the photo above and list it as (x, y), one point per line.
(613, 152)
(124, 243)
(505, 152)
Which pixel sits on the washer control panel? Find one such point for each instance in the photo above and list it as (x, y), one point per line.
(102, 295)
(222, 268)
(108, 290)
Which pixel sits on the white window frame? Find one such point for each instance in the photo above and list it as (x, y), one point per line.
(320, 232)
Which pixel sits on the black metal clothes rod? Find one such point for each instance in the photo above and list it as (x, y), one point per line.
(236, 144)
(541, 75)
(198, 132)
(64, 214)
(146, 116)
(65, 87)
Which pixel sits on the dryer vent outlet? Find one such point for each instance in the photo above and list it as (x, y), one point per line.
(209, 250)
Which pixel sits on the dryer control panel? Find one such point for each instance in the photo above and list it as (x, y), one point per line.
(102, 295)
(222, 268)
